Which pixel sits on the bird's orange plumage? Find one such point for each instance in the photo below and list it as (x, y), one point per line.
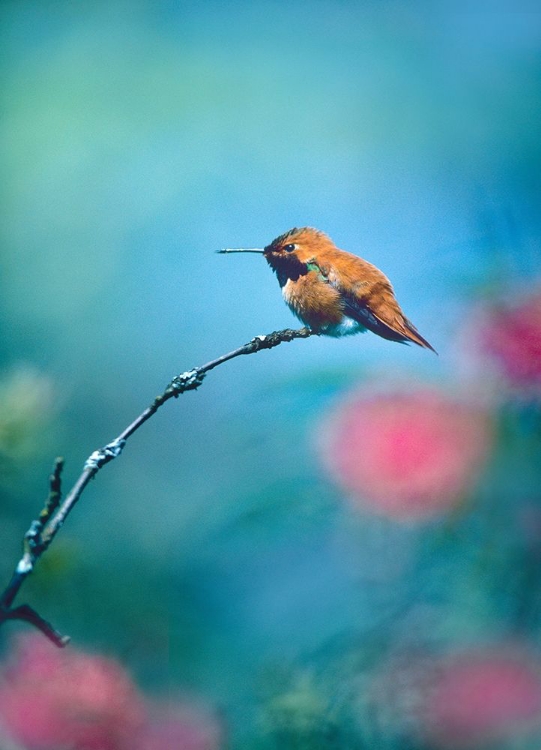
(335, 292)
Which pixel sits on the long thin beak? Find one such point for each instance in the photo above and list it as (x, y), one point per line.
(241, 250)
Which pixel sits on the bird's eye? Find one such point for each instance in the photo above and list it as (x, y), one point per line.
(290, 248)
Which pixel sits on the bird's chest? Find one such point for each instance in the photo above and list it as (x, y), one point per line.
(313, 300)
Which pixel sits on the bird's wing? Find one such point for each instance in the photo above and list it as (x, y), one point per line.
(390, 323)
(371, 302)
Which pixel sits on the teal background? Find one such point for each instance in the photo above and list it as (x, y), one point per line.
(138, 138)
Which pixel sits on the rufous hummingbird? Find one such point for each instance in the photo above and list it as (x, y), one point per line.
(334, 292)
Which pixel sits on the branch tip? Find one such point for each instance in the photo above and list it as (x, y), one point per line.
(26, 613)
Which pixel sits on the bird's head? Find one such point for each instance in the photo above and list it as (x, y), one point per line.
(291, 248)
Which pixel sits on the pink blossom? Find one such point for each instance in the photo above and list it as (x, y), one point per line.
(52, 698)
(180, 726)
(405, 455)
(482, 697)
(511, 336)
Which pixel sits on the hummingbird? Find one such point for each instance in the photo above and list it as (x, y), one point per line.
(334, 292)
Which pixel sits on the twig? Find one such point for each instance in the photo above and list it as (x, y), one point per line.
(43, 530)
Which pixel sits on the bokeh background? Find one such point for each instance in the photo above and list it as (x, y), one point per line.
(336, 544)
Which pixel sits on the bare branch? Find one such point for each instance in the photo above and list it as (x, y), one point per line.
(43, 530)
(25, 613)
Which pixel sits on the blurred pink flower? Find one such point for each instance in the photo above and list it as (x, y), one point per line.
(52, 698)
(405, 455)
(511, 336)
(482, 697)
(181, 726)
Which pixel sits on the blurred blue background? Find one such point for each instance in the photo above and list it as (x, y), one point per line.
(138, 138)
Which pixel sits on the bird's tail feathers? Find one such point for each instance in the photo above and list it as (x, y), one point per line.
(402, 330)
(412, 334)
